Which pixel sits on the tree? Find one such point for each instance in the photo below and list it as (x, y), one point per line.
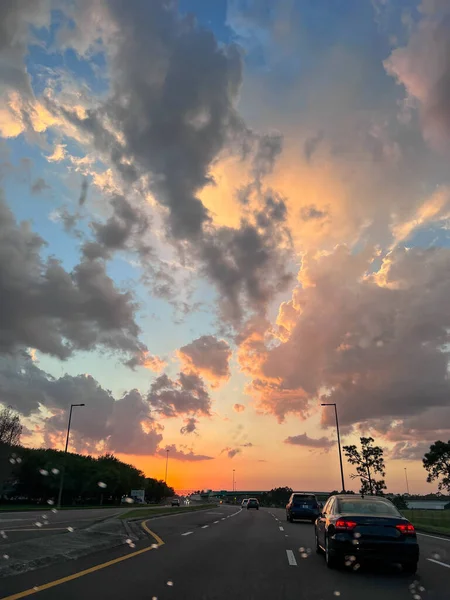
(437, 463)
(10, 427)
(400, 502)
(369, 462)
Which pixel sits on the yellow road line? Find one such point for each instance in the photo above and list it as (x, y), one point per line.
(51, 584)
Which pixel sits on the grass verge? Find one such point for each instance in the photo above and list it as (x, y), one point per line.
(434, 521)
(164, 510)
(35, 507)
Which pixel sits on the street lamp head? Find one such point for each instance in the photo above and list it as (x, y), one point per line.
(328, 404)
(78, 404)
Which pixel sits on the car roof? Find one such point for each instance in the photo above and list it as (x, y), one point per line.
(360, 497)
(253, 499)
(303, 494)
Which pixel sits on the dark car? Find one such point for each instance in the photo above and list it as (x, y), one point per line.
(175, 502)
(302, 506)
(252, 503)
(354, 529)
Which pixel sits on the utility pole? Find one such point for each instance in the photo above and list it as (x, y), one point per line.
(407, 484)
(338, 441)
(233, 480)
(63, 470)
(167, 463)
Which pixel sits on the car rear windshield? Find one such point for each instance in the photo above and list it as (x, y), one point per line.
(308, 500)
(367, 507)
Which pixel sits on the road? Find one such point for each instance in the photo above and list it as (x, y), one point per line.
(228, 553)
(20, 526)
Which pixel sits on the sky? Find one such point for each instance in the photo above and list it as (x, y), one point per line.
(216, 216)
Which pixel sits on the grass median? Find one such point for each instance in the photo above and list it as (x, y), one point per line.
(433, 521)
(163, 510)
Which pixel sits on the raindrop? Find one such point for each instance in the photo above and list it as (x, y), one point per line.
(12, 461)
(18, 460)
(304, 555)
(421, 588)
(436, 556)
(55, 471)
(51, 502)
(129, 500)
(44, 517)
(132, 545)
(6, 556)
(38, 524)
(101, 484)
(54, 510)
(35, 588)
(356, 535)
(154, 546)
(355, 542)
(170, 583)
(70, 529)
(336, 593)
(301, 549)
(356, 566)
(352, 558)
(43, 472)
(417, 597)
(154, 597)
(347, 563)
(3, 534)
(128, 541)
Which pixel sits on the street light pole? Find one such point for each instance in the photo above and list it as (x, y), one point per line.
(167, 463)
(233, 479)
(407, 484)
(63, 470)
(339, 442)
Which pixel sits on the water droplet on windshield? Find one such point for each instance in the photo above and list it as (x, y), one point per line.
(304, 555)
(155, 546)
(55, 471)
(132, 545)
(12, 461)
(43, 472)
(38, 524)
(301, 549)
(129, 500)
(44, 517)
(357, 535)
(356, 566)
(436, 556)
(170, 583)
(421, 588)
(71, 529)
(336, 593)
(101, 484)
(3, 534)
(51, 502)
(417, 597)
(355, 542)
(154, 597)
(6, 556)
(35, 588)
(54, 510)
(18, 460)
(128, 541)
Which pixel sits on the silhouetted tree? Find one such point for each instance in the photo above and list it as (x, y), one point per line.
(10, 427)
(400, 502)
(437, 463)
(369, 462)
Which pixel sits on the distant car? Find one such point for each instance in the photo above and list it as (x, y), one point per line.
(302, 507)
(175, 502)
(252, 503)
(244, 503)
(354, 529)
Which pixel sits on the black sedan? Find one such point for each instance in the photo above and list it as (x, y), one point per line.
(252, 503)
(352, 529)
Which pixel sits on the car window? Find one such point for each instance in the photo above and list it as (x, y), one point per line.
(368, 507)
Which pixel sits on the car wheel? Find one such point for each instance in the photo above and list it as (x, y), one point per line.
(318, 548)
(313, 521)
(332, 561)
(290, 519)
(410, 568)
(287, 517)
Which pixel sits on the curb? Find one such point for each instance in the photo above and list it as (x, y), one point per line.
(166, 514)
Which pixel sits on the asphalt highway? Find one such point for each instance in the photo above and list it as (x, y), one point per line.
(227, 553)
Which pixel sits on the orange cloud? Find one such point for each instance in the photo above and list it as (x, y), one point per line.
(238, 408)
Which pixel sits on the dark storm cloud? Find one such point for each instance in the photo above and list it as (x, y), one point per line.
(185, 395)
(176, 454)
(304, 440)
(409, 450)
(39, 185)
(311, 213)
(231, 452)
(55, 311)
(115, 423)
(208, 355)
(174, 116)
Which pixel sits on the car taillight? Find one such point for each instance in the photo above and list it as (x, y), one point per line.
(406, 528)
(345, 524)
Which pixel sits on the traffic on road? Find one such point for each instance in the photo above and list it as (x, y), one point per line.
(227, 551)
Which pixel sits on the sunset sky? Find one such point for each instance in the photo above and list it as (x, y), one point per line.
(214, 216)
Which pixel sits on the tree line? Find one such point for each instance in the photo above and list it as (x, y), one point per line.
(31, 475)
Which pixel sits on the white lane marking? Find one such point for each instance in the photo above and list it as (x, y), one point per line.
(281, 528)
(214, 513)
(291, 558)
(205, 526)
(438, 562)
(435, 537)
(187, 533)
(236, 513)
(215, 522)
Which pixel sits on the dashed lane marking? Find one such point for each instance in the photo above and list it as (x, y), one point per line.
(291, 558)
(438, 562)
(187, 533)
